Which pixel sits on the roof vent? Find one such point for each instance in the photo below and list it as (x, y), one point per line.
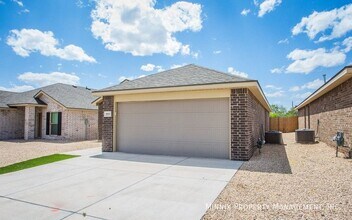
(74, 86)
(88, 88)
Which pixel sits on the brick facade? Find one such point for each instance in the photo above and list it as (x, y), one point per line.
(76, 124)
(22, 122)
(100, 120)
(11, 123)
(249, 121)
(334, 112)
(107, 126)
(29, 122)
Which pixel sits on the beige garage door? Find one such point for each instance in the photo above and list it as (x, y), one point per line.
(194, 128)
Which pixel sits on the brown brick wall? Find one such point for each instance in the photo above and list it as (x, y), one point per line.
(100, 120)
(248, 119)
(259, 118)
(12, 123)
(107, 125)
(334, 112)
(301, 118)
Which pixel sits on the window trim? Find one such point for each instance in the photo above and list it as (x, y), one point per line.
(49, 123)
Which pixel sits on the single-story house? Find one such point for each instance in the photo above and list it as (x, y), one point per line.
(188, 111)
(329, 108)
(57, 111)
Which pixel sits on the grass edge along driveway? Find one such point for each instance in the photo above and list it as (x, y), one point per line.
(35, 162)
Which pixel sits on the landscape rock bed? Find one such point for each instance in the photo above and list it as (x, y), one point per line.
(291, 181)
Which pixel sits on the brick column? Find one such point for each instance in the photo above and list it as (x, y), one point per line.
(108, 122)
(241, 148)
(29, 122)
(100, 120)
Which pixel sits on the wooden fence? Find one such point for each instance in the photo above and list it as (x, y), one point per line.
(285, 124)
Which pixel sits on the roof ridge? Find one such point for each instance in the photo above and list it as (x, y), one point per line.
(228, 74)
(152, 74)
(164, 71)
(9, 91)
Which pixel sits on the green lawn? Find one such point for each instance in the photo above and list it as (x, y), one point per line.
(35, 162)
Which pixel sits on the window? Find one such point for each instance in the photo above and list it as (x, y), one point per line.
(54, 123)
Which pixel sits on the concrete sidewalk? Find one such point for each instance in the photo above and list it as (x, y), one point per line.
(115, 186)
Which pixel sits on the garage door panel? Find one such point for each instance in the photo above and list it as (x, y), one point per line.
(179, 148)
(201, 134)
(212, 120)
(198, 128)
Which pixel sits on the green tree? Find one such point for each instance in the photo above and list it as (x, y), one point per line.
(277, 111)
(281, 111)
(292, 112)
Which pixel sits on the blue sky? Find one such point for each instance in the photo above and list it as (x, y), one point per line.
(285, 44)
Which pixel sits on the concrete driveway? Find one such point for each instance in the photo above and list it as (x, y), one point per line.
(115, 186)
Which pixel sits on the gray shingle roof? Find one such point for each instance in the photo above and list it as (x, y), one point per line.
(183, 76)
(68, 95)
(4, 98)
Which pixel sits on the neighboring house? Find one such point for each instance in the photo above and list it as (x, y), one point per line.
(329, 108)
(58, 111)
(187, 111)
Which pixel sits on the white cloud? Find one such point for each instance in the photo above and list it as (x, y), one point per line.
(27, 41)
(16, 88)
(18, 2)
(44, 79)
(267, 6)
(245, 12)
(339, 21)
(310, 85)
(314, 84)
(302, 95)
(83, 3)
(185, 50)
(79, 3)
(275, 94)
(138, 28)
(148, 67)
(174, 66)
(102, 75)
(217, 52)
(232, 71)
(275, 91)
(122, 78)
(24, 11)
(278, 70)
(305, 61)
(283, 41)
(151, 67)
(273, 87)
(295, 88)
(348, 44)
(195, 54)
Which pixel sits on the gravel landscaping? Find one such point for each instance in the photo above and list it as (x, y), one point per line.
(18, 150)
(294, 181)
